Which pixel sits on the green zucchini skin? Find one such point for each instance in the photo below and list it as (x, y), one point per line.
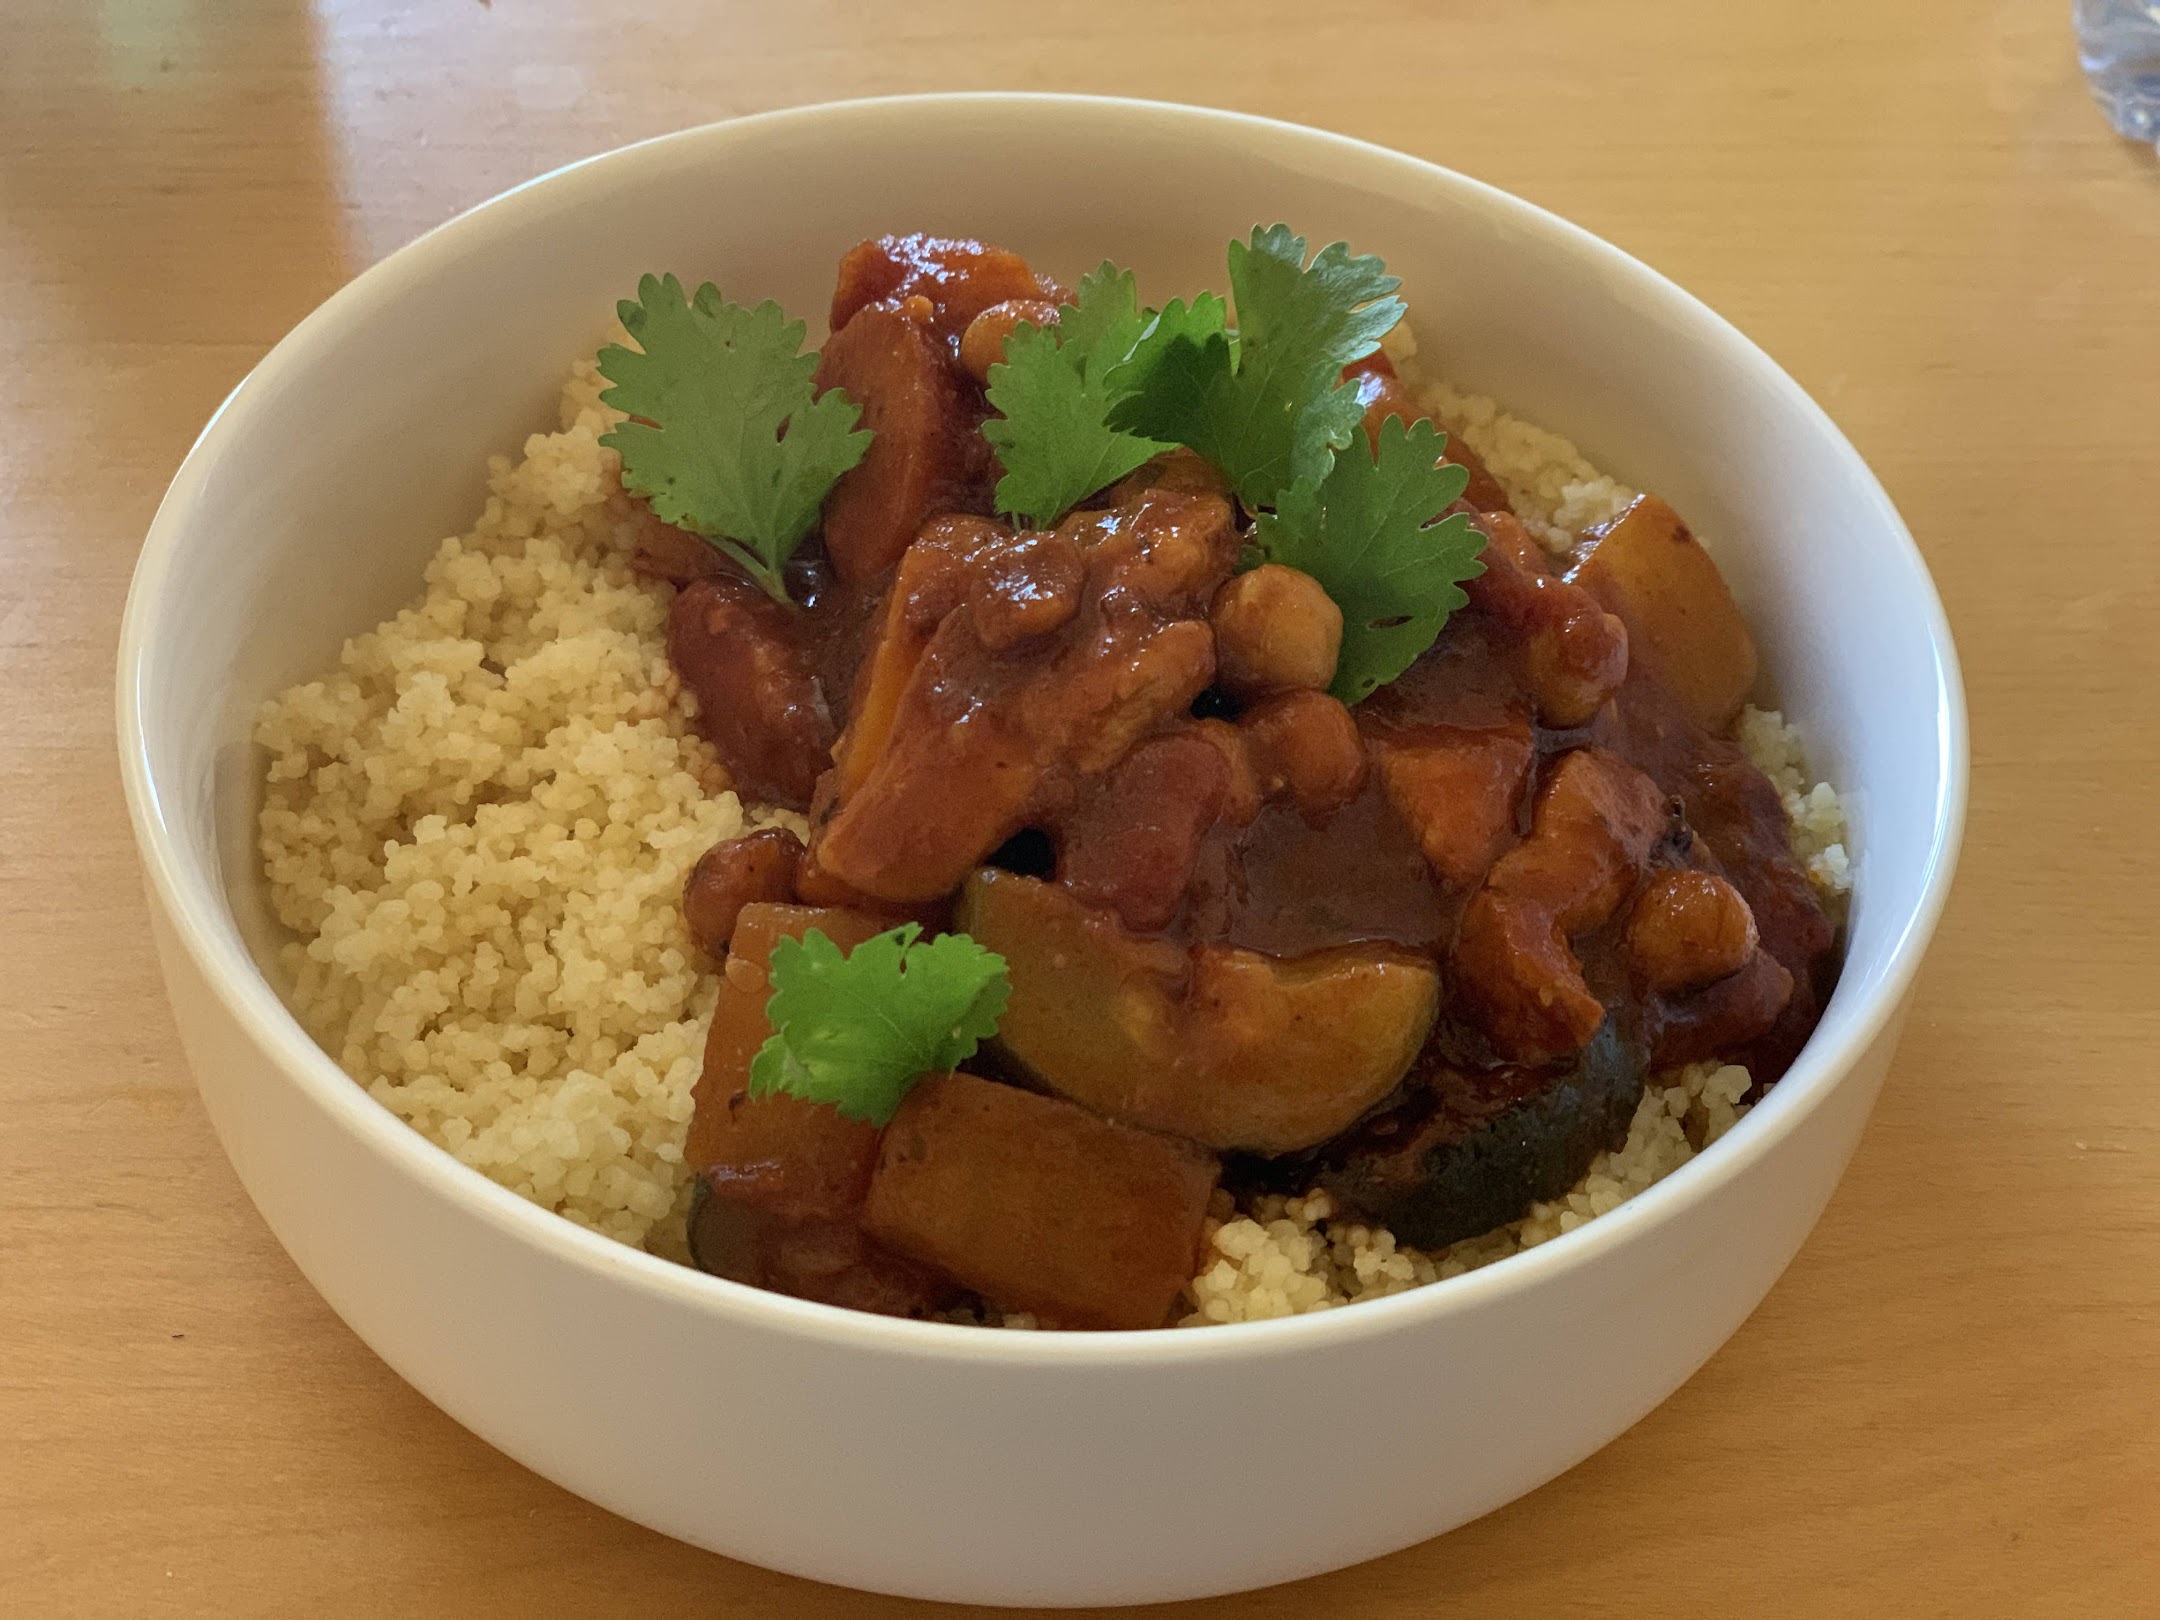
(1462, 1152)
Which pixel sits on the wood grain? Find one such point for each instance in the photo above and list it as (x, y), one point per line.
(1951, 1404)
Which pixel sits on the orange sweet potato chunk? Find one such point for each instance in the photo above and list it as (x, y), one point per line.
(899, 373)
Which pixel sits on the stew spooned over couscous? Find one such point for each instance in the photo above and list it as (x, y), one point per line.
(1195, 839)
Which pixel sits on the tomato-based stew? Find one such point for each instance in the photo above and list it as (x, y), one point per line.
(1421, 944)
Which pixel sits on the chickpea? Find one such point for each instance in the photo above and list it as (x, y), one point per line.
(982, 345)
(1275, 630)
(1574, 654)
(1575, 662)
(1241, 800)
(1305, 745)
(1689, 929)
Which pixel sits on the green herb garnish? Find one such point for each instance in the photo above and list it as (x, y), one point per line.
(1165, 329)
(729, 439)
(727, 436)
(857, 1030)
(1052, 389)
(1270, 408)
(1367, 533)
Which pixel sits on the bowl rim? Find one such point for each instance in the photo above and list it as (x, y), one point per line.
(192, 901)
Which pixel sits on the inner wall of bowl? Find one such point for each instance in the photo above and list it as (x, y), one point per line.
(309, 513)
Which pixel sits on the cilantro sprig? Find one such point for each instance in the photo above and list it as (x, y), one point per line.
(727, 437)
(1367, 531)
(858, 1030)
(1271, 407)
(1053, 394)
(1266, 403)
(1140, 373)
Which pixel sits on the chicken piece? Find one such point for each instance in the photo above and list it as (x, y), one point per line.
(1276, 630)
(1304, 746)
(1023, 587)
(1131, 845)
(1687, 929)
(1573, 654)
(957, 279)
(734, 873)
(897, 813)
(785, 1180)
(1038, 1205)
(1227, 1047)
(1596, 821)
(1683, 625)
(1383, 394)
(1019, 586)
(1460, 789)
(1163, 552)
(927, 452)
(955, 744)
(982, 345)
(1111, 706)
(758, 704)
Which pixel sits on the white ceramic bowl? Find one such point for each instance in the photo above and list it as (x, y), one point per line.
(942, 1461)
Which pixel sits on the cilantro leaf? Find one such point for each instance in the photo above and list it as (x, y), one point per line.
(1328, 313)
(727, 437)
(1196, 322)
(1053, 393)
(1367, 533)
(858, 1030)
(1272, 408)
(1263, 435)
(1103, 321)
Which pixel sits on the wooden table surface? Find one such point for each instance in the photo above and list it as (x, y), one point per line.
(1950, 1405)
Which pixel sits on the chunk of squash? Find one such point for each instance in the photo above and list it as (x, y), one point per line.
(1038, 1205)
(782, 1181)
(1228, 1047)
(727, 1129)
(1683, 625)
(1466, 1151)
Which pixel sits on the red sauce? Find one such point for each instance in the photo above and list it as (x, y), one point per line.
(949, 690)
